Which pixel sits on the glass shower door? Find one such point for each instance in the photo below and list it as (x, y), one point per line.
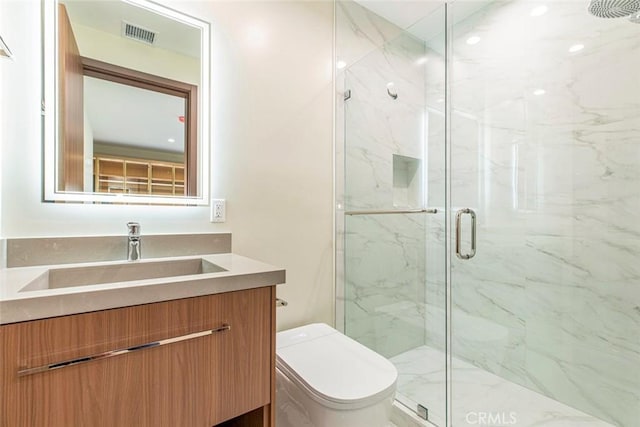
(545, 150)
(393, 220)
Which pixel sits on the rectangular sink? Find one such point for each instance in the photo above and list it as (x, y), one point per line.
(57, 278)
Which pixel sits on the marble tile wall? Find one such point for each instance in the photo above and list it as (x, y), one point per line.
(385, 275)
(384, 255)
(379, 126)
(546, 148)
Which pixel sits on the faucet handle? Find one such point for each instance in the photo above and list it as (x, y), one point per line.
(134, 228)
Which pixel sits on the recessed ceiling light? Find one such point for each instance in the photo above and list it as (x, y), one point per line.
(539, 92)
(171, 140)
(473, 40)
(340, 65)
(576, 48)
(539, 10)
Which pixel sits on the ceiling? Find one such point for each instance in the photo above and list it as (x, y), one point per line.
(142, 118)
(107, 16)
(402, 13)
(424, 19)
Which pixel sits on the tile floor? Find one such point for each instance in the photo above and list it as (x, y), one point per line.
(421, 379)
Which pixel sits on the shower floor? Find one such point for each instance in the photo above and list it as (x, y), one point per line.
(477, 392)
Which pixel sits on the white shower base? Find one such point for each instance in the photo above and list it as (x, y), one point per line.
(476, 391)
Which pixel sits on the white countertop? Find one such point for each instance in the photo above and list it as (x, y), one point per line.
(17, 305)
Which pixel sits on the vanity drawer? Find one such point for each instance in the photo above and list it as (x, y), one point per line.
(218, 367)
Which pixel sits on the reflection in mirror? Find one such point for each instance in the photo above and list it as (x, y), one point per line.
(138, 131)
(132, 112)
(132, 80)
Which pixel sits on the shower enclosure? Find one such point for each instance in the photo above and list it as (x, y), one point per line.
(488, 184)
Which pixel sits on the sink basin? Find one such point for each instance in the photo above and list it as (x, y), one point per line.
(56, 278)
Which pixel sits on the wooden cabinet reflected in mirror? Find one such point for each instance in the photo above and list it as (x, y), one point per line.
(135, 119)
(137, 176)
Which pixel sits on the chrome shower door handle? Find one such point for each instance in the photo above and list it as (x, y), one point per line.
(459, 214)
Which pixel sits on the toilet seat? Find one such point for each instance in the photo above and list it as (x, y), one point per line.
(333, 369)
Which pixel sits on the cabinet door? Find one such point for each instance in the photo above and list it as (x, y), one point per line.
(200, 381)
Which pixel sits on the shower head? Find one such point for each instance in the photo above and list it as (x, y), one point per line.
(613, 8)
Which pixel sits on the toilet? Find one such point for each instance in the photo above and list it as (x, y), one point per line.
(326, 379)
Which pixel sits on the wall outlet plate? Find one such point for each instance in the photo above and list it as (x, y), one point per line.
(218, 210)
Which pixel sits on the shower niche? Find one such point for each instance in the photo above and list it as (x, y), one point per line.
(407, 182)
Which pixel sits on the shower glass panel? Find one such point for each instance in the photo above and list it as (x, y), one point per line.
(545, 148)
(392, 211)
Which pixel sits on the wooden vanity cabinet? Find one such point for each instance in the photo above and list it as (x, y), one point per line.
(201, 381)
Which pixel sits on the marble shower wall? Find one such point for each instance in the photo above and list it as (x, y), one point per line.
(385, 274)
(381, 130)
(546, 148)
(384, 165)
(358, 33)
(385, 153)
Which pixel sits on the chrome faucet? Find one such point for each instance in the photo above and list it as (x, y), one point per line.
(134, 252)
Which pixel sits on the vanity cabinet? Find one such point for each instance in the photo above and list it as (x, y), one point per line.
(220, 369)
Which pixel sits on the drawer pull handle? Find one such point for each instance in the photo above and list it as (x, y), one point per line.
(107, 354)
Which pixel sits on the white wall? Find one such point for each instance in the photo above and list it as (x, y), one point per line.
(271, 150)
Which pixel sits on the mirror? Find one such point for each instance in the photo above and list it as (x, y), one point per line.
(126, 103)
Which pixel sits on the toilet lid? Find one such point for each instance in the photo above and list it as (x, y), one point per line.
(334, 367)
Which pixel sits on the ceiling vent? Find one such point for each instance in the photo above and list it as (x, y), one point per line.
(138, 33)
